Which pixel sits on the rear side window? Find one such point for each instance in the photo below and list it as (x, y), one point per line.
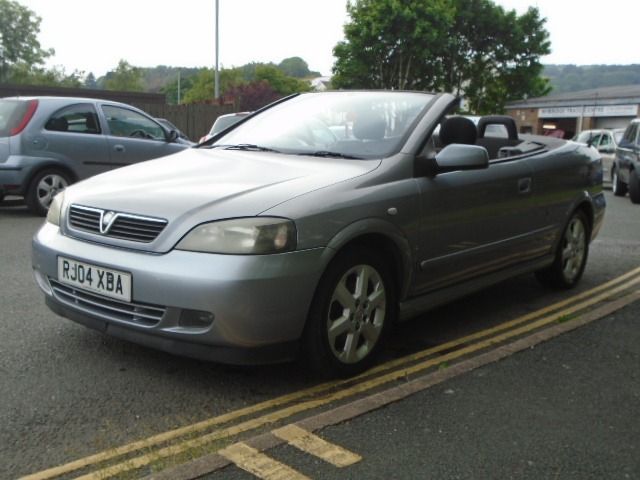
(80, 118)
(15, 115)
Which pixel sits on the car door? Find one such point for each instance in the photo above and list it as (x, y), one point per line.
(606, 149)
(134, 137)
(74, 136)
(474, 222)
(627, 151)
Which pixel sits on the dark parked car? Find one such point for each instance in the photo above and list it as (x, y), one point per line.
(280, 237)
(47, 143)
(626, 165)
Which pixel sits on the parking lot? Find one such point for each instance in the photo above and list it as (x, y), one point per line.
(69, 392)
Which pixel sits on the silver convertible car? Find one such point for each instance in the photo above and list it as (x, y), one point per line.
(313, 226)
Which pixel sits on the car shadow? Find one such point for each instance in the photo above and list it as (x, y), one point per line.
(14, 207)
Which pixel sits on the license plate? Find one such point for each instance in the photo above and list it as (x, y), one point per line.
(104, 281)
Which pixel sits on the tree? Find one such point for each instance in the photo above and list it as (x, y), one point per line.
(22, 74)
(203, 86)
(494, 55)
(280, 82)
(124, 78)
(232, 81)
(171, 89)
(296, 67)
(19, 45)
(392, 44)
(90, 81)
(254, 95)
(469, 47)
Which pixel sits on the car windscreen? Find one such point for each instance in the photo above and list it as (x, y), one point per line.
(584, 137)
(333, 124)
(12, 112)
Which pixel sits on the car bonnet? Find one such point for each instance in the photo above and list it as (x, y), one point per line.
(199, 185)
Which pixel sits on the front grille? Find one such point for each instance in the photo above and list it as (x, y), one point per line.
(108, 308)
(119, 225)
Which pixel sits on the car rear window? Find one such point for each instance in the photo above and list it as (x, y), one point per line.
(14, 115)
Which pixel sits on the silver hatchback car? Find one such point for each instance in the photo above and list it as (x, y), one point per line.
(282, 237)
(47, 143)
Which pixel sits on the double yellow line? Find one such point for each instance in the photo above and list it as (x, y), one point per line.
(326, 393)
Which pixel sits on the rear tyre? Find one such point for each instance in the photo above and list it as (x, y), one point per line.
(634, 187)
(619, 188)
(44, 186)
(351, 312)
(571, 255)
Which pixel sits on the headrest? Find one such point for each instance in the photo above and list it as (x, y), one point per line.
(458, 130)
(59, 124)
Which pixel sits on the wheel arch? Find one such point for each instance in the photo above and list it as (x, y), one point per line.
(49, 166)
(381, 236)
(587, 208)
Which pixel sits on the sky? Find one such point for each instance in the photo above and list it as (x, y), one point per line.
(92, 36)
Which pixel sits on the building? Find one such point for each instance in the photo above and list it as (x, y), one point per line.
(320, 84)
(566, 114)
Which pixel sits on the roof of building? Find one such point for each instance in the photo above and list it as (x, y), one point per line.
(624, 94)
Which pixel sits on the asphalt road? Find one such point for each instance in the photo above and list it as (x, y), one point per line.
(68, 392)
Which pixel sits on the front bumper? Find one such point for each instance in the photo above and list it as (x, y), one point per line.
(258, 303)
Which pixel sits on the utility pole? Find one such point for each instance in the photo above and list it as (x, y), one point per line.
(1, 58)
(179, 86)
(217, 75)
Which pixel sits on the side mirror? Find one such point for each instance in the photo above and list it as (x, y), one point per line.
(173, 136)
(461, 157)
(453, 158)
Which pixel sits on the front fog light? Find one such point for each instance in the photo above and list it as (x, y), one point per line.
(195, 319)
(42, 282)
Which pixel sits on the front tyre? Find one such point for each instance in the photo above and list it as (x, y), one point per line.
(571, 255)
(619, 188)
(634, 187)
(44, 186)
(352, 309)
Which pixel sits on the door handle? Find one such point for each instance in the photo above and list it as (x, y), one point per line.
(119, 148)
(524, 185)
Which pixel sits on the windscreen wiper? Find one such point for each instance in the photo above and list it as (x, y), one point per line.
(248, 147)
(328, 154)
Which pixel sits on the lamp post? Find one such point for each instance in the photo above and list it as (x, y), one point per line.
(217, 73)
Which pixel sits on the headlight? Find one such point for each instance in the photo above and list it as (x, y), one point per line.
(53, 215)
(242, 236)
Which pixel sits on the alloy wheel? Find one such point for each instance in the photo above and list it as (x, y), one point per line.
(47, 188)
(574, 249)
(356, 314)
